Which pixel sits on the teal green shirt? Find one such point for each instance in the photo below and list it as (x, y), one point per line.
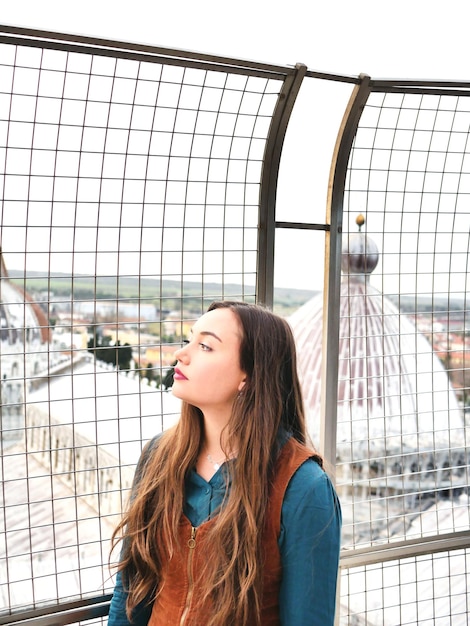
(309, 544)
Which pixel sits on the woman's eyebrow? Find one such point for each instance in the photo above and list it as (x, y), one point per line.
(208, 332)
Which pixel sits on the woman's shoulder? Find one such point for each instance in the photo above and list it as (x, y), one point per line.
(310, 484)
(150, 447)
(310, 501)
(145, 456)
(310, 473)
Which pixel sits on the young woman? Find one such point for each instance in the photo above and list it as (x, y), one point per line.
(232, 520)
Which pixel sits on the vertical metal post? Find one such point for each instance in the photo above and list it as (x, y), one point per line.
(332, 283)
(268, 188)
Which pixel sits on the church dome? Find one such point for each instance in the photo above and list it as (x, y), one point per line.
(21, 318)
(25, 338)
(394, 395)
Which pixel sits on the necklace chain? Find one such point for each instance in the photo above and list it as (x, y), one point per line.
(215, 464)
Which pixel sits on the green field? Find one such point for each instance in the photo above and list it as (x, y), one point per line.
(165, 293)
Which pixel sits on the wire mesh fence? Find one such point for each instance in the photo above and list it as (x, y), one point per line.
(403, 385)
(403, 363)
(129, 202)
(430, 589)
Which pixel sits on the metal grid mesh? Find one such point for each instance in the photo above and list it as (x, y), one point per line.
(130, 194)
(403, 372)
(423, 590)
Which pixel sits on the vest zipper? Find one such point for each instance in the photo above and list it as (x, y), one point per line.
(189, 595)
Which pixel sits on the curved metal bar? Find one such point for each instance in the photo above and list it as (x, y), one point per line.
(268, 189)
(60, 614)
(137, 51)
(411, 548)
(331, 292)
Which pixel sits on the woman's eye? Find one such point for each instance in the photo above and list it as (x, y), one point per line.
(185, 342)
(205, 347)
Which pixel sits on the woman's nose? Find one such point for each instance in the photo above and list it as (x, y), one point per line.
(180, 353)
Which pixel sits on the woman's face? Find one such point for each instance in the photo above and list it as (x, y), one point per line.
(208, 373)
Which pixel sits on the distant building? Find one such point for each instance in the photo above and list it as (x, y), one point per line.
(90, 428)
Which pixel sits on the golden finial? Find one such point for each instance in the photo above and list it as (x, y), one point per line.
(360, 221)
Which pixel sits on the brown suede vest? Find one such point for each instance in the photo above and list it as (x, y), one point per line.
(178, 603)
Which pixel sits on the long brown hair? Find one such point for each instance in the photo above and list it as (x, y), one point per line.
(271, 402)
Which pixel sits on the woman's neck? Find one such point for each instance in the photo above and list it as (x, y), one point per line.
(214, 450)
(215, 427)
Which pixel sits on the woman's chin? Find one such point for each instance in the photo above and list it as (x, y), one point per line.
(174, 391)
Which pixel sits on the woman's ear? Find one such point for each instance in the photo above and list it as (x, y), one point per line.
(241, 385)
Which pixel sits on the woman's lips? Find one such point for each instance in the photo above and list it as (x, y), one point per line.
(178, 375)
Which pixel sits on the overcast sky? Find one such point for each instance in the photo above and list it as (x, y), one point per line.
(403, 39)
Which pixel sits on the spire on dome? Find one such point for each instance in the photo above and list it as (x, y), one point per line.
(360, 254)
